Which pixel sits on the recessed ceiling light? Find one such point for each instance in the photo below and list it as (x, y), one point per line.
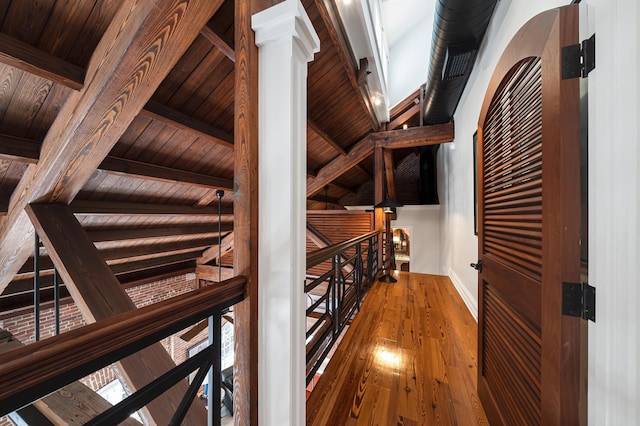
(377, 101)
(405, 126)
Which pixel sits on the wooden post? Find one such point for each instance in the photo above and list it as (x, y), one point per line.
(379, 174)
(245, 201)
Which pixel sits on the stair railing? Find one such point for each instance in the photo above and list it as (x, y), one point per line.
(335, 296)
(33, 371)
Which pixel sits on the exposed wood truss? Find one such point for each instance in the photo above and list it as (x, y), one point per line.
(219, 41)
(133, 209)
(99, 295)
(388, 169)
(121, 78)
(393, 139)
(211, 253)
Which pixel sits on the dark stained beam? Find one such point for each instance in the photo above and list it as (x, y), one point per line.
(324, 199)
(18, 149)
(332, 22)
(219, 41)
(34, 61)
(139, 48)
(124, 167)
(388, 169)
(4, 207)
(212, 252)
(121, 269)
(99, 295)
(339, 166)
(414, 137)
(128, 253)
(156, 111)
(325, 137)
(115, 208)
(118, 234)
(333, 144)
(210, 273)
(402, 118)
(28, 151)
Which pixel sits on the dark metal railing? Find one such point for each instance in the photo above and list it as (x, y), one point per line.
(33, 371)
(335, 296)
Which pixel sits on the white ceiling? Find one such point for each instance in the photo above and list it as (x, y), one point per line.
(408, 26)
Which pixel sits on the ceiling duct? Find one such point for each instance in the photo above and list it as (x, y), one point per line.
(458, 29)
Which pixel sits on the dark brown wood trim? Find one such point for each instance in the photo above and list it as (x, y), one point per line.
(18, 149)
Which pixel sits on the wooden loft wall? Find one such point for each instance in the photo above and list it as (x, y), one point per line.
(326, 227)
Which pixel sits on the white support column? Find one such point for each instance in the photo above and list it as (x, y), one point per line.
(287, 42)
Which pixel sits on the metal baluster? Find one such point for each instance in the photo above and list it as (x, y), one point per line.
(36, 288)
(336, 305)
(215, 338)
(56, 300)
(358, 274)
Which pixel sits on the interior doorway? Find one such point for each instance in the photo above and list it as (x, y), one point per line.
(401, 249)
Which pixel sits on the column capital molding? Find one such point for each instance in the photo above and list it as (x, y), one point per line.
(283, 22)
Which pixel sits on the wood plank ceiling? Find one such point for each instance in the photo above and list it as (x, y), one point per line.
(150, 205)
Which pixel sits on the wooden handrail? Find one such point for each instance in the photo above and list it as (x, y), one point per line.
(319, 256)
(40, 368)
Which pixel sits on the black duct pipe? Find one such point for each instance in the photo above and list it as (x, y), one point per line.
(458, 30)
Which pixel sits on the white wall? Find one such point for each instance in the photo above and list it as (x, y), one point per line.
(614, 212)
(425, 238)
(614, 202)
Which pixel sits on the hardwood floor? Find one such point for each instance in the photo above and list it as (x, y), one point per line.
(409, 358)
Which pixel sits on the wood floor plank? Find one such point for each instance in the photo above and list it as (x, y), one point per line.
(408, 358)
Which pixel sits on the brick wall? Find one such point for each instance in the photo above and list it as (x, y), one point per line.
(70, 318)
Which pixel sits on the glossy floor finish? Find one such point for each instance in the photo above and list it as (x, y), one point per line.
(409, 358)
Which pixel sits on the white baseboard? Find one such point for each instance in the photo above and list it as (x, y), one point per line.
(468, 299)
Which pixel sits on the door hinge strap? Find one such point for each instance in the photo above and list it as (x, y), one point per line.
(579, 300)
(579, 60)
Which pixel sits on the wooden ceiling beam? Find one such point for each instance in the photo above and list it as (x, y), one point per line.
(210, 273)
(18, 149)
(119, 234)
(32, 60)
(414, 137)
(219, 41)
(157, 111)
(406, 103)
(28, 151)
(154, 262)
(339, 166)
(332, 22)
(115, 208)
(99, 295)
(325, 137)
(388, 168)
(324, 199)
(131, 168)
(211, 253)
(114, 255)
(139, 48)
(333, 144)
(402, 118)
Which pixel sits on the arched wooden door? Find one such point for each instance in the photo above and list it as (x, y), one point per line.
(529, 229)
